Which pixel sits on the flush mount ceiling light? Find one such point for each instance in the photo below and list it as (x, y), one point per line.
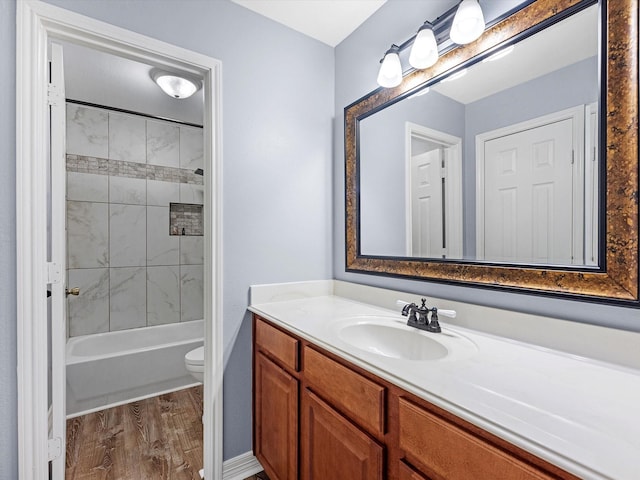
(390, 74)
(463, 24)
(468, 24)
(174, 85)
(424, 52)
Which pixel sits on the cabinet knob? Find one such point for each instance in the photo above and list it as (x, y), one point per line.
(72, 291)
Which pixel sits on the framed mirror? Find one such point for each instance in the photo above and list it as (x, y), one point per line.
(511, 163)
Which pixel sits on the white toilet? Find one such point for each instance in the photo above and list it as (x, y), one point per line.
(194, 362)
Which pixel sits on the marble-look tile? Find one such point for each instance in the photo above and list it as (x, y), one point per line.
(127, 235)
(162, 248)
(127, 137)
(191, 148)
(87, 234)
(163, 295)
(191, 193)
(191, 250)
(131, 191)
(191, 292)
(87, 131)
(162, 193)
(128, 298)
(88, 312)
(163, 144)
(87, 187)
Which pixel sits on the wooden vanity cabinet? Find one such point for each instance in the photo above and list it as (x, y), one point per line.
(318, 417)
(275, 401)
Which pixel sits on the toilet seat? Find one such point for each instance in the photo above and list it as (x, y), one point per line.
(194, 360)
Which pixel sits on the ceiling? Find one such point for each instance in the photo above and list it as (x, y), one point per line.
(329, 21)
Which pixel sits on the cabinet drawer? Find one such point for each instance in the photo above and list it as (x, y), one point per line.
(359, 397)
(450, 452)
(277, 344)
(408, 473)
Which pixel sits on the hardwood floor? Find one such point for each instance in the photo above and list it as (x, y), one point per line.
(158, 438)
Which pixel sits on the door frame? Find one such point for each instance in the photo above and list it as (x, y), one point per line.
(453, 194)
(577, 115)
(37, 23)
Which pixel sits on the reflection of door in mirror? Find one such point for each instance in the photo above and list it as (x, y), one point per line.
(531, 189)
(434, 193)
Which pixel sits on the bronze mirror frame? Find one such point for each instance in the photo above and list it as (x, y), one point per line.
(616, 280)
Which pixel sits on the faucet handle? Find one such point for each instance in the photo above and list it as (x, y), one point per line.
(447, 313)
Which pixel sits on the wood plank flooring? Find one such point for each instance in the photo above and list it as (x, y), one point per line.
(158, 438)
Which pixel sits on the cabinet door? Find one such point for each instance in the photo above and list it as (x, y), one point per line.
(333, 448)
(276, 420)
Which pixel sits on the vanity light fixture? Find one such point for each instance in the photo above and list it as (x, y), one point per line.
(174, 85)
(464, 23)
(424, 51)
(468, 24)
(390, 74)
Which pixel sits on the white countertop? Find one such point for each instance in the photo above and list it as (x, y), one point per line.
(579, 414)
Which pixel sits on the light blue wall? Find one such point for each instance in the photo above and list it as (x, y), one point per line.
(356, 70)
(8, 402)
(277, 141)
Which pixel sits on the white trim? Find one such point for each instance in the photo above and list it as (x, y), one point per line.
(37, 22)
(453, 169)
(241, 467)
(577, 115)
(591, 181)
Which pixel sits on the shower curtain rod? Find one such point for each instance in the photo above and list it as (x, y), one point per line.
(131, 112)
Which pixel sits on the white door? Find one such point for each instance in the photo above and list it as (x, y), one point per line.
(528, 195)
(57, 169)
(427, 218)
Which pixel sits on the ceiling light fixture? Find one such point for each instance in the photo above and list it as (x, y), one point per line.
(463, 24)
(176, 86)
(424, 52)
(390, 74)
(468, 24)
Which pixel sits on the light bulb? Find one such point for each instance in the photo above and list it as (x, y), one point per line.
(390, 74)
(424, 52)
(468, 23)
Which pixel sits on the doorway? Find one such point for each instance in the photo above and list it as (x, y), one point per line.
(433, 193)
(37, 25)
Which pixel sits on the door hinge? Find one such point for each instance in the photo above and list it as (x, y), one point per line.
(54, 448)
(54, 94)
(54, 274)
(443, 172)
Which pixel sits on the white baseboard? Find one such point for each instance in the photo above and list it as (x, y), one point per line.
(241, 467)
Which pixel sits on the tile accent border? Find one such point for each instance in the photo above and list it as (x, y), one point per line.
(120, 168)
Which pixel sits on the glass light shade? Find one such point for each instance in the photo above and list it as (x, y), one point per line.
(424, 52)
(176, 87)
(468, 23)
(501, 54)
(390, 74)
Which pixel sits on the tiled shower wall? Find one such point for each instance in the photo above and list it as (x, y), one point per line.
(123, 171)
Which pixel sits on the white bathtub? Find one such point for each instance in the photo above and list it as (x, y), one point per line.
(113, 368)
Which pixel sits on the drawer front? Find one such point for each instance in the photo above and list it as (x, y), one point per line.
(408, 473)
(451, 452)
(359, 397)
(277, 344)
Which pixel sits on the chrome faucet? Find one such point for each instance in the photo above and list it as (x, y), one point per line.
(422, 321)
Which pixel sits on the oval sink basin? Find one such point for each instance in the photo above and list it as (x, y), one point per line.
(395, 341)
